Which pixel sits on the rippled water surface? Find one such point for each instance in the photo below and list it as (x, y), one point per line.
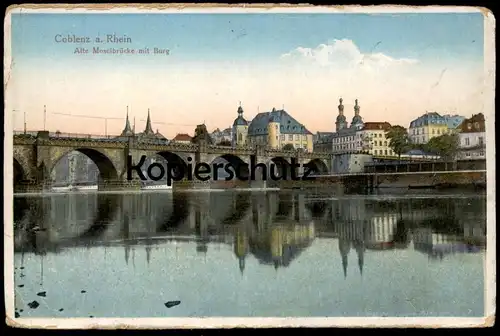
(249, 254)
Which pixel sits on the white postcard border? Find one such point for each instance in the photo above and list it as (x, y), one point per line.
(164, 323)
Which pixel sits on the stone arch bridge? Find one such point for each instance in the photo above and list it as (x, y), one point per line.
(36, 155)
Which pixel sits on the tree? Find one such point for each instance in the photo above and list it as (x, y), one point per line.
(399, 141)
(225, 143)
(445, 145)
(288, 147)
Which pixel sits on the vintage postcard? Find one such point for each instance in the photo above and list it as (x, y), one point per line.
(214, 166)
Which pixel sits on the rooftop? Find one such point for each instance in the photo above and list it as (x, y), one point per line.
(473, 124)
(288, 124)
(182, 137)
(372, 126)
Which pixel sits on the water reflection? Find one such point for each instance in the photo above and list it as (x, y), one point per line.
(275, 229)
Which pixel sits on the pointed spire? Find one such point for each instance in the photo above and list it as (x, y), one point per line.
(149, 129)
(148, 254)
(361, 256)
(344, 248)
(344, 265)
(242, 264)
(127, 253)
(360, 264)
(127, 131)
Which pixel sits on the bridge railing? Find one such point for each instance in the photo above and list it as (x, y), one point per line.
(81, 135)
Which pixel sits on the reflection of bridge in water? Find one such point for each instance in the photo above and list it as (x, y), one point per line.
(272, 227)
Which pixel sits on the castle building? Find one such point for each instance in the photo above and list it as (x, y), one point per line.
(240, 130)
(277, 129)
(472, 135)
(431, 125)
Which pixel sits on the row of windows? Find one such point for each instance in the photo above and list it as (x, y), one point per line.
(360, 143)
(480, 153)
(417, 140)
(469, 125)
(416, 131)
(386, 152)
(359, 135)
(290, 137)
(282, 128)
(380, 143)
(480, 141)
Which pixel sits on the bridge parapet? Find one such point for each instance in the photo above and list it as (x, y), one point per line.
(171, 147)
(230, 150)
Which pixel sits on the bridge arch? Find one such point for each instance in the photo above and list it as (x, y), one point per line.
(318, 208)
(317, 166)
(229, 208)
(282, 166)
(180, 212)
(238, 165)
(107, 170)
(107, 207)
(175, 162)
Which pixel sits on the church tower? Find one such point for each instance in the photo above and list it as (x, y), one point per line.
(149, 128)
(357, 121)
(341, 120)
(240, 129)
(127, 131)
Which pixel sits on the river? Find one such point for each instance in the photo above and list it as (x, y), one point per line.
(249, 254)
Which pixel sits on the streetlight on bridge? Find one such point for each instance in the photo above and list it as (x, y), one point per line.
(15, 110)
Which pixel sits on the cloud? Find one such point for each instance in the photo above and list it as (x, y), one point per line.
(344, 54)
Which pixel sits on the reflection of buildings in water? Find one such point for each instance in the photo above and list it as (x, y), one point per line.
(475, 233)
(436, 245)
(278, 245)
(345, 246)
(380, 231)
(241, 247)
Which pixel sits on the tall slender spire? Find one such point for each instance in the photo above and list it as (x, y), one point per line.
(344, 265)
(149, 129)
(344, 248)
(360, 250)
(356, 107)
(127, 131)
(242, 264)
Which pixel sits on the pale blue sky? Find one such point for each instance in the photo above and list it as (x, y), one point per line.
(218, 60)
(216, 37)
